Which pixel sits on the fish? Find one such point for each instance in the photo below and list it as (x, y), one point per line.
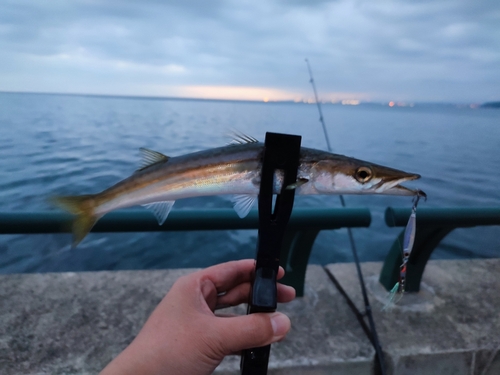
(233, 169)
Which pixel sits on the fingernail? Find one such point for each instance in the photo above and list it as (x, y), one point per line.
(280, 323)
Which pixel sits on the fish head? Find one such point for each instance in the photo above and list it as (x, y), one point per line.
(343, 175)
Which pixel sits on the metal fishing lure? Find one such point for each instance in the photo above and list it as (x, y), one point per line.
(407, 247)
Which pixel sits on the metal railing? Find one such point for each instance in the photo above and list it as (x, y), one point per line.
(304, 226)
(433, 224)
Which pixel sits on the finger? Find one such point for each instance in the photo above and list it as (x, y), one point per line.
(241, 294)
(286, 293)
(250, 331)
(281, 273)
(226, 276)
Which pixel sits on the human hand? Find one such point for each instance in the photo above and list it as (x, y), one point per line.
(184, 336)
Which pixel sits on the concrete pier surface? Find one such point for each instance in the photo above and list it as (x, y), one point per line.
(75, 323)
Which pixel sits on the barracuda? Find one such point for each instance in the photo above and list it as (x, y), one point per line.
(234, 169)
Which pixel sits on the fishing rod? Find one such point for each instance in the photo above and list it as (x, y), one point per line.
(373, 336)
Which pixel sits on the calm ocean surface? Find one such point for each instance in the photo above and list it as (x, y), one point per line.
(57, 144)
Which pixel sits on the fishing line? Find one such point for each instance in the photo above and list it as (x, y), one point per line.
(372, 334)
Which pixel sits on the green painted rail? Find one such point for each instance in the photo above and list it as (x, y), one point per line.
(304, 226)
(433, 224)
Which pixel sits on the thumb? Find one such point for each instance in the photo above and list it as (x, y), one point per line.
(250, 331)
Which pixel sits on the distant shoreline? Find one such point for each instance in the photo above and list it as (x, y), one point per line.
(346, 103)
(491, 105)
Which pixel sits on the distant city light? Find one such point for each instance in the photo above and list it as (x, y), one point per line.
(350, 102)
(400, 104)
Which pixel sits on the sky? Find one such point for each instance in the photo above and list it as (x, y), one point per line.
(384, 50)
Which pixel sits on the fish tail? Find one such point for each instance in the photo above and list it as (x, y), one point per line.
(83, 207)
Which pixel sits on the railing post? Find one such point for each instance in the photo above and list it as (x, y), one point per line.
(426, 240)
(433, 224)
(297, 246)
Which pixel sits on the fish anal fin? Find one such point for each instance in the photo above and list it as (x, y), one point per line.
(83, 208)
(160, 209)
(150, 157)
(242, 204)
(298, 183)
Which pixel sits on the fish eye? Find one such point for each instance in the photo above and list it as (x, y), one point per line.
(363, 174)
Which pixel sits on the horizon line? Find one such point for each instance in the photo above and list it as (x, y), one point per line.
(390, 103)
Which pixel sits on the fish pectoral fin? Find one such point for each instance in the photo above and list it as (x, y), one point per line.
(83, 208)
(160, 209)
(150, 157)
(242, 204)
(295, 185)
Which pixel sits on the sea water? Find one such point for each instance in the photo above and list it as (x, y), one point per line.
(70, 145)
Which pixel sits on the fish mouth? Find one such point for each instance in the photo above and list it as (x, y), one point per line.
(393, 186)
(402, 190)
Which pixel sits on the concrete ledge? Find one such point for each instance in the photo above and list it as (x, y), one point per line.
(75, 323)
(451, 327)
(325, 335)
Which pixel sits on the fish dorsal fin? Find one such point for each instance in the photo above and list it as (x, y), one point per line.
(160, 209)
(150, 157)
(243, 203)
(239, 138)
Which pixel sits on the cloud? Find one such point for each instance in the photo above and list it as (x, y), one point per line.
(427, 50)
